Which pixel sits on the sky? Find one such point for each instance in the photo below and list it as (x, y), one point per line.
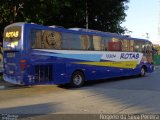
(143, 16)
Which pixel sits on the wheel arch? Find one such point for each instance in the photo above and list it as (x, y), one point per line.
(145, 67)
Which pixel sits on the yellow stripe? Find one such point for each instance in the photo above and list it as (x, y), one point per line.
(119, 64)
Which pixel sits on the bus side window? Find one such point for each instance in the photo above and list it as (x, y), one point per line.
(131, 45)
(136, 46)
(114, 45)
(66, 41)
(106, 41)
(144, 48)
(36, 38)
(73, 42)
(91, 47)
(84, 42)
(125, 45)
(103, 44)
(76, 42)
(97, 42)
(139, 46)
(51, 39)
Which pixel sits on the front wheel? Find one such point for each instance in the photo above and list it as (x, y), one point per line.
(142, 72)
(77, 79)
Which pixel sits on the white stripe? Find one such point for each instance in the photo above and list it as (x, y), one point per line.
(105, 55)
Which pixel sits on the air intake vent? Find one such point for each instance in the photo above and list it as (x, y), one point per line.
(43, 73)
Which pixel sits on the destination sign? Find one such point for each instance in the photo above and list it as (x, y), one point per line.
(12, 32)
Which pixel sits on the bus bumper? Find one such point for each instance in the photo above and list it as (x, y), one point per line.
(12, 80)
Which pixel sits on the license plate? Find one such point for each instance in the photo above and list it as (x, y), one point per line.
(10, 54)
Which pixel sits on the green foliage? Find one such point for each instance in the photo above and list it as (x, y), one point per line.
(105, 15)
(158, 48)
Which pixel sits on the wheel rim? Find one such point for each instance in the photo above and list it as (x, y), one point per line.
(77, 80)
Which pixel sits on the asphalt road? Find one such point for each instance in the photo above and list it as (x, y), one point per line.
(131, 95)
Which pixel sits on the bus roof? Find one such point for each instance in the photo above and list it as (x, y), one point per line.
(75, 30)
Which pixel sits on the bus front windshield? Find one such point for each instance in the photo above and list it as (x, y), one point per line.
(12, 37)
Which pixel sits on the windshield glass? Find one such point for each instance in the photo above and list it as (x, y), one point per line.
(12, 37)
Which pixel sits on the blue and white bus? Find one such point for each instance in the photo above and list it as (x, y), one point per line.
(36, 54)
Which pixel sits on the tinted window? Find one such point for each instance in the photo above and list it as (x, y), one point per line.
(45, 39)
(71, 41)
(125, 45)
(51, 39)
(36, 38)
(76, 42)
(86, 42)
(114, 44)
(131, 45)
(106, 43)
(97, 40)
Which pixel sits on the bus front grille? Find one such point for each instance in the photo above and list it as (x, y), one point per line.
(43, 73)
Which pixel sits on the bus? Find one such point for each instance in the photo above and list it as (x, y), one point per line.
(36, 54)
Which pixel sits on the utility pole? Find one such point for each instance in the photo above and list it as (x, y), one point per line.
(147, 36)
(86, 15)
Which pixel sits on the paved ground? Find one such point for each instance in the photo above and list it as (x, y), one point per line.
(131, 95)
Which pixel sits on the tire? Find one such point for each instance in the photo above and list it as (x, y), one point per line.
(77, 79)
(142, 72)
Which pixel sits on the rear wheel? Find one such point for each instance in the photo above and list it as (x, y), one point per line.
(77, 79)
(142, 72)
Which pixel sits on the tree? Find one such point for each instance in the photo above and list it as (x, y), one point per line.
(108, 15)
(105, 15)
(9, 13)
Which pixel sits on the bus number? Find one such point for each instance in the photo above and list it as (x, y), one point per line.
(10, 54)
